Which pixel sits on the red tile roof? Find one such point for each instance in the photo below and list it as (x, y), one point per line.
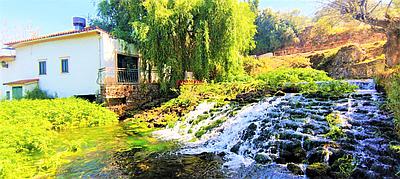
(22, 82)
(87, 29)
(7, 56)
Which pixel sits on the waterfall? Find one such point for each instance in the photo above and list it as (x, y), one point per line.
(261, 139)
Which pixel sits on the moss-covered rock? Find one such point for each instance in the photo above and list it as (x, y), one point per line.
(262, 158)
(316, 170)
(295, 169)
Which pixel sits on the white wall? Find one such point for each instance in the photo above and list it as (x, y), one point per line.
(84, 61)
(111, 47)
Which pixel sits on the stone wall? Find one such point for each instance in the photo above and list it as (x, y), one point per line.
(122, 98)
(311, 44)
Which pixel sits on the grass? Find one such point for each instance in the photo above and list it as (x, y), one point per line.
(30, 129)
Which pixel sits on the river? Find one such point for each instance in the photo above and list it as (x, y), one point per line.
(287, 136)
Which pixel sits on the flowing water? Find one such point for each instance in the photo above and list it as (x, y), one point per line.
(277, 137)
(261, 139)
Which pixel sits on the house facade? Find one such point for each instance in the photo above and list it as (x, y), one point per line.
(86, 61)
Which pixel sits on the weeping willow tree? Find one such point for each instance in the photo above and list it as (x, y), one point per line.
(206, 37)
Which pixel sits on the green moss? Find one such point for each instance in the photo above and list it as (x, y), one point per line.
(317, 170)
(200, 118)
(335, 133)
(395, 148)
(209, 127)
(334, 119)
(345, 165)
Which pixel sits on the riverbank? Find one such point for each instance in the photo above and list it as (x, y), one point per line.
(35, 138)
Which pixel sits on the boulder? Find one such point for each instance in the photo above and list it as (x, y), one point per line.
(318, 170)
(262, 158)
(295, 169)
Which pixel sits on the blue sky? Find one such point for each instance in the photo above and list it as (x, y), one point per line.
(19, 17)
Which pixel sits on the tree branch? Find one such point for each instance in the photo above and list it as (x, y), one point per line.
(373, 9)
(387, 9)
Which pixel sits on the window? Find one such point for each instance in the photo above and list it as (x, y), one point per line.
(8, 95)
(64, 66)
(42, 68)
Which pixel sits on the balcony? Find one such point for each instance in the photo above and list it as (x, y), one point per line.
(107, 76)
(127, 76)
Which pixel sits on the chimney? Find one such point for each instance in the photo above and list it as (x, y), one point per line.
(79, 23)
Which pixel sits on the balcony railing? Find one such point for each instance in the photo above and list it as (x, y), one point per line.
(127, 76)
(101, 76)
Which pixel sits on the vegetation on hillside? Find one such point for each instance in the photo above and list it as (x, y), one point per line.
(382, 15)
(29, 143)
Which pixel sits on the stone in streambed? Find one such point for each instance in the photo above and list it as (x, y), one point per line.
(262, 158)
(361, 173)
(250, 132)
(295, 169)
(295, 155)
(235, 148)
(318, 170)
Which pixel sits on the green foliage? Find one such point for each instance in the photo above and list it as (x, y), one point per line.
(274, 30)
(334, 88)
(334, 120)
(202, 36)
(29, 132)
(391, 82)
(281, 78)
(37, 93)
(115, 16)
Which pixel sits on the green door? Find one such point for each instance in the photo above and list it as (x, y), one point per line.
(17, 92)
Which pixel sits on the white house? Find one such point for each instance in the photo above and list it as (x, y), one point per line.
(70, 63)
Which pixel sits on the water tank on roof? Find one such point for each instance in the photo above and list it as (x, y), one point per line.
(79, 23)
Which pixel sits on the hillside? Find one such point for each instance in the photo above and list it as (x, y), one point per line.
(349, 61)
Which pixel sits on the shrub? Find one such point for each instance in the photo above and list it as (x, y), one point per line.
(288, 77)
(37, 93)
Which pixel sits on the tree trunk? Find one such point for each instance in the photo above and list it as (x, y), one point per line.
(392, 47)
